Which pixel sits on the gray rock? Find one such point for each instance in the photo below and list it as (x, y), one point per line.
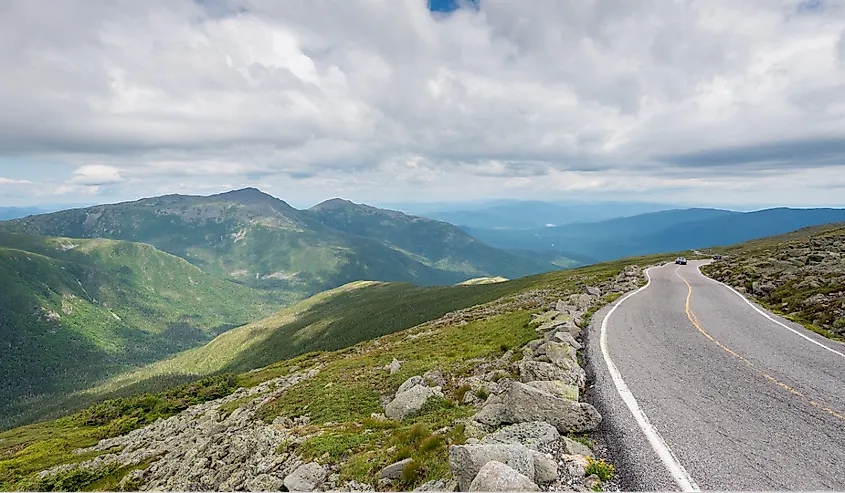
(496, 476)
(557, 388)
(576, 448)
(467, 460)
(592, 291)
(438, 485)
(531, 434)
(305, 477)
(358, 486)
(264, 482)
(436, 376)
(524, 403)
(545, 469)
(530, 371)
(394, 471)
(395, 366)
(411, 382)
(562, 355)
(567, 338)
(493, 413)
(592, 482)
(409, 402)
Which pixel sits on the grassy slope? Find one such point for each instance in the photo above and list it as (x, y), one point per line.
(801, 265)
(29, 449)
(71, 317)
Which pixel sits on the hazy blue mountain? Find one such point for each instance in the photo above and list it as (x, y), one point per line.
(664, 231)
(7, 213)
(538, 214)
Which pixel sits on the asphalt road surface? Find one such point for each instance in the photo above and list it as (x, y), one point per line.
(701, 391)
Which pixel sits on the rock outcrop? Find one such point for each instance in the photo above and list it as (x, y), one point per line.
(410, 398)
(495, 476)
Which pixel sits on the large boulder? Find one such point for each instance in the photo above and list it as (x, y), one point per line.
(576, 448)
(531, 434)
(557, 388)
(409, 402)
(394, 471)
(305, 477)
(524, 403)
(407, 384)
(531, 370)
(563, 355)
(467, 460)
(495, 476)
(592, 291)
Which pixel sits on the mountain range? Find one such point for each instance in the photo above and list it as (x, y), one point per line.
(258, 240)
(655, 232)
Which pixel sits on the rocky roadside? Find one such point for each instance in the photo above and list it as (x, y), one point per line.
(803, 279)
(528, 433)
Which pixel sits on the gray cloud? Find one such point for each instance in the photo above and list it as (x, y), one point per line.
(355, 95)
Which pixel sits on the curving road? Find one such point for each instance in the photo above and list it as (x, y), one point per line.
(705, 391)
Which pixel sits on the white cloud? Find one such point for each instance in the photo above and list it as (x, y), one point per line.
(96, 175)
(375, 98)
(9, 181)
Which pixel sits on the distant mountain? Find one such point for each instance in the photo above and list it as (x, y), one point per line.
(435, 243)
(258, 240)
(74, 311)
(536, 214)
(665, 231)
(7, 213)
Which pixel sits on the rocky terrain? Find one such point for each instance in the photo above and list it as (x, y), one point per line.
(513, 418)
(803, 278)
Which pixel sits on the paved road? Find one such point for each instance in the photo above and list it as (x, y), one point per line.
(740, 402)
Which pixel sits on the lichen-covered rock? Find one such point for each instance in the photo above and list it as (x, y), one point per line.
(438, 485)
(558, 388)
(525, 403)
(573, 447)
(409, 383)
(531, 434)
(394, 471)
(305, 477)
(496, 476)
(466, 460)
(409, 402)
(264, 482)
(531, 371)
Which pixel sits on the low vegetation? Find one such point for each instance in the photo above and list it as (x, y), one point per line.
(800, 275)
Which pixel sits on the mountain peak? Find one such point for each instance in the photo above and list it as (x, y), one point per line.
(334, 203)
(250, 196)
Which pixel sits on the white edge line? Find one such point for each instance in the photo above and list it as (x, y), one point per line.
(761, 312)
(679, 474)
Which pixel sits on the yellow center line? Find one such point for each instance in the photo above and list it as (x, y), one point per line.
(692, 318)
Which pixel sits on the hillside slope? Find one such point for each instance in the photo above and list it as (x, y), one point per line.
(320, 406)
(800, 275)
(75, 311)
(259, 240)
(435, 243)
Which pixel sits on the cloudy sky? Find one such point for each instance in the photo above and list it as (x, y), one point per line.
(693, 101)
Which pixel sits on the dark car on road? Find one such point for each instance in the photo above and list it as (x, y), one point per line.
(717, 257)
(681, 261)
